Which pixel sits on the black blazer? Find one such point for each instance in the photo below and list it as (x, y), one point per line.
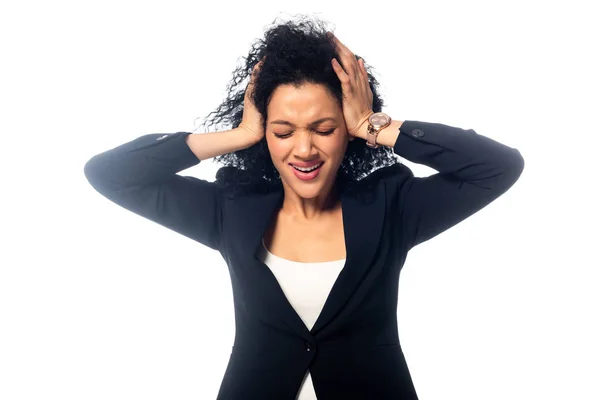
(353, 350)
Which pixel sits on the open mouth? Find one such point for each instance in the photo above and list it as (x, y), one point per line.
(307, 173)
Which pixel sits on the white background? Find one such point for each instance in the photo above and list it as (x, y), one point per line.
(99, 303)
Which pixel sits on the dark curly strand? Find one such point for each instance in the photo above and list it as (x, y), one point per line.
(296, 53)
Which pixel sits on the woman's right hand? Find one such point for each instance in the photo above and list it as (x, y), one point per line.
(251, 118)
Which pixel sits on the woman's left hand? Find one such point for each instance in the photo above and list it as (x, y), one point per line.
(357, 102)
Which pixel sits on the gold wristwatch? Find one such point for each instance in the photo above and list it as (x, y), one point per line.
(377, 122)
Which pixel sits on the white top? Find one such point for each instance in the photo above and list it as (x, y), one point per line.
(306, 286)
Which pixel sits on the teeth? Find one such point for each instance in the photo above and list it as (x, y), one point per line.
(307, 169)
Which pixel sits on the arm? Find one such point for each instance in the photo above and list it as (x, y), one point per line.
(473, 170)
(141, 176)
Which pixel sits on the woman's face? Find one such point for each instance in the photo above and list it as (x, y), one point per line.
(295, 137)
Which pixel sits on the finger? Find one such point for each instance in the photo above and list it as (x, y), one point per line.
(343, 77)
(259, 64)
(256, 68)
(363, 69)
(348, 59)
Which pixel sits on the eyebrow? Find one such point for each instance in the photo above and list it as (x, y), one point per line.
(282, 122)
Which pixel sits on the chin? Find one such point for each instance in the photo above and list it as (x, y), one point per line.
(308, 193)
(304, 189)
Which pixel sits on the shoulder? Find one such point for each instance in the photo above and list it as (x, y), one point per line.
(395, 173)
(378, 182)
(235, 182)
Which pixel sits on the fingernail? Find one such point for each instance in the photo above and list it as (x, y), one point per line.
(329, 35)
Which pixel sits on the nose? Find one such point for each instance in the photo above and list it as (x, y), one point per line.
(304, 145)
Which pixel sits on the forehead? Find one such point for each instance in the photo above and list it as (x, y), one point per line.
(307, 101)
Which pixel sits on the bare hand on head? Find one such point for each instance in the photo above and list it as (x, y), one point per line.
(251, 118)
(357, 102)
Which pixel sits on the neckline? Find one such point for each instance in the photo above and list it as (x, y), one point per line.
(297, 262)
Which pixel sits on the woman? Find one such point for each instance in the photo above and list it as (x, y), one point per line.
(313, 224)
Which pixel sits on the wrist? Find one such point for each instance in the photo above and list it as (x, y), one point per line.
(361, 132)
(251, 136)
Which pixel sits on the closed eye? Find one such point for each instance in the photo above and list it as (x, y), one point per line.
(325, 133)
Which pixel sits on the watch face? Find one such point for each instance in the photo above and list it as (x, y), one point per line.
(379, 119)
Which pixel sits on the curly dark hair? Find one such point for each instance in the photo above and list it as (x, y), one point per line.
(296, 53)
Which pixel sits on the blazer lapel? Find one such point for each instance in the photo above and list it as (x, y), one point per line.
(363, 222)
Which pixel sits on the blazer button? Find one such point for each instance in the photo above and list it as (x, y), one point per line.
(417, 133)
(308, 346)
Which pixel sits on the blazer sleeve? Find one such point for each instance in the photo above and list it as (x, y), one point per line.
(473, 170)
(141, 176)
